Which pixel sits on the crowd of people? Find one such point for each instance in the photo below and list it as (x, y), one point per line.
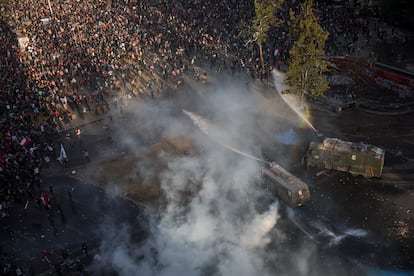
(60, 59)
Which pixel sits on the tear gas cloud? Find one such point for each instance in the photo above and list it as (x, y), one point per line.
(210, 222)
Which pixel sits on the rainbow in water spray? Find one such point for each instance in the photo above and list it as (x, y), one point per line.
(290, 100)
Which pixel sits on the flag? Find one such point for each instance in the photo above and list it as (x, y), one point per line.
(62, 155)
(25, 142)
(45, 199)
(47, 256)
(45, 21)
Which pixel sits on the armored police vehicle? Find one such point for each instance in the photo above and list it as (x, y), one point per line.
(285, 185)
(355, 158)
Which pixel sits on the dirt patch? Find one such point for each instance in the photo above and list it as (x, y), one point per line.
(122, 172)
(139, 175)
(177, 145)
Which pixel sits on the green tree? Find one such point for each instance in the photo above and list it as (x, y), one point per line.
(264, 19)
(307, 63)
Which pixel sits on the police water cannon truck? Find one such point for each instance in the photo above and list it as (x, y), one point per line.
(284, 185)
(354, 158)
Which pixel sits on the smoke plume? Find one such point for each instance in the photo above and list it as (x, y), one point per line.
(211, 219)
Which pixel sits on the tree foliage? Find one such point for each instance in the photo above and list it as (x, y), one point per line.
(307, 63)
(264, 19)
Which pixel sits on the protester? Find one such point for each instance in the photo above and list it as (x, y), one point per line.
(67, 61)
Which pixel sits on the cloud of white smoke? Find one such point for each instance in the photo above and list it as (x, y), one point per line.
(211, 222)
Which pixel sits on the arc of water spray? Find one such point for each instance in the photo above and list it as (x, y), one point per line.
(279, 78)
(203, 125)
(291, 216)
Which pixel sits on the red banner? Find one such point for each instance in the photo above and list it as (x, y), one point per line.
(390, 81)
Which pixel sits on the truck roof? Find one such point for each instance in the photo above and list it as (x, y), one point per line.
(284, 178)
(345, 146)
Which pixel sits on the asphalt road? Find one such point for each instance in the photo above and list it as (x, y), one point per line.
(30, 231)
(361, 215)
(367, 222)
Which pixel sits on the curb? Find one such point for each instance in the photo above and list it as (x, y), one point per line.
(389, 113)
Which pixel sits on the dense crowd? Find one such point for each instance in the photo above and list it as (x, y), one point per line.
(79, 54)
(64, 58)
(77, 57)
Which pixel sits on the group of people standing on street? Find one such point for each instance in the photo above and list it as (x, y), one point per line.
(59, 60)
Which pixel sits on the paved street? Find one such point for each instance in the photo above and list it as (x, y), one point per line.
(142, 189)
(93, 209)
(85, 214)
(32, 232)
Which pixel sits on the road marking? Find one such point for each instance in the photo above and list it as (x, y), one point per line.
(72, 176)
(74, 229)
(135, 202)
